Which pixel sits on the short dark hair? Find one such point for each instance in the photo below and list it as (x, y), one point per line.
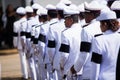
(52, 13)
(44, 17)
(75, 18)
(61, 14)
(35, 10)
(117, 13)
(109, 3)
(112, 24)
(82, 15)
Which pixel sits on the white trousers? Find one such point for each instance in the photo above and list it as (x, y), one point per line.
(32, 68)
(23, 62)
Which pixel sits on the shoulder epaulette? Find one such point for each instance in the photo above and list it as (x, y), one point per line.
(53, 23)
(97, 35)
(28, 19)
(22, 22)
(34, 25)
(118, 32)
(38, 25)
(85, 25)
(64, 30)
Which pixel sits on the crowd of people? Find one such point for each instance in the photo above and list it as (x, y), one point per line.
(7, 19)
(68, 42)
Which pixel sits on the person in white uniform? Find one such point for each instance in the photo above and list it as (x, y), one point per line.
(42, 37)
(17, 40)
(81, 14)
(106, 50)
(61, 27)
(35, 7)
(116, 7)
(87, 35)
(30, 54)
(50, 48)
(70, 40)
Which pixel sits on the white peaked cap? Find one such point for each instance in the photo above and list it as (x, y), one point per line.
(42, 11)
(106, 15)
(93, 5)
(20, 10)
(39, 12)
(81, 7)
(50, 7)
(36, 6)
(29, 9)
(60, 6)
(102, 2)
(66, 2)
(115, 5)
(71, 10)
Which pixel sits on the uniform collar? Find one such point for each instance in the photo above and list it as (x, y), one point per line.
(118, 19)
(61, 20)
(24, 18)
(93, 21)
(75, 25)
(30, 18)
(53, 20)
(108, 32)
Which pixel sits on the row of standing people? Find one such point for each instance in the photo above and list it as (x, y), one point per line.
(55, 45)
(7, 19)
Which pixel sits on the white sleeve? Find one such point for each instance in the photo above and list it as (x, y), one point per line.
(85, 47)
(42, 42)
(23, 32)
(51, 44)
(73, 55)
(15, 37)
(64, 50)
(96, 59)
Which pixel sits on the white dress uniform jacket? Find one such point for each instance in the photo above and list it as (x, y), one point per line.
(69, 49)
(106, 56)
(16, 30)
(23, 32)
(87, 35)
(53, 38)
(59, 29)
(30, 31)
(31, 23)
(42, 41)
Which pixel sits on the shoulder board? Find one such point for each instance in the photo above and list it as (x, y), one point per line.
(38, 25)
(119, 32)
(22, 22)
(85, 25)
(44, 23)
(28, 19)
(97, 35)
(34, 25)
(64, 30)
(53, 23)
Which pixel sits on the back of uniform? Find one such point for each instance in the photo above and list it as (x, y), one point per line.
(57, 31)
(20, 47)
(23, 33)
(15, 30)
(87, 35)
(70, 39)
(105, 56)
(52, 40)
(42, 41)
